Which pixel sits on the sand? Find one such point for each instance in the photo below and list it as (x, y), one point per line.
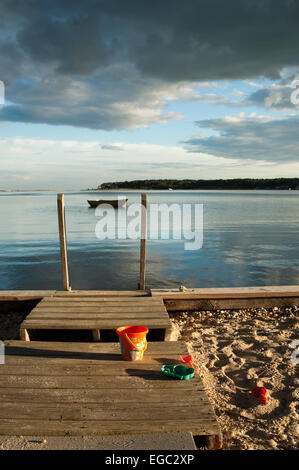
(236, 351)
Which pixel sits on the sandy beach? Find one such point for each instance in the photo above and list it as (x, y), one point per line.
(234, 352)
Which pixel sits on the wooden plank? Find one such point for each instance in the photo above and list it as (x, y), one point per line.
(106, 324)
(136, 413)
(229, 293)
(68, 316)
(147, 310)
(90, 301)
(98, 299)
(70, 363)
(183, 305)
(21, 348)
(24, 335)
(96, 335)
(69, 395)
(143, 236)
(36, 366)
(101, 370)
(102, 293)
(94, 309)
(9, 295)
(153, 381)
(62, 240)
(41, 427)
(100, 305)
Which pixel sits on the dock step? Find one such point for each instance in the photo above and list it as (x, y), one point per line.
(100, 316)
(78, 389)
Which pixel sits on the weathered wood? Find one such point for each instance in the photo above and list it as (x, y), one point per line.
(36, 366)
(98, 412)
(105, 315)
(24, 335)
(56, 349)
(108, 320)
(227, 292)
(28, 427)
(143, 236)
(62, 240)
(94, 313)
(227, 298)
(208, 293)
(182, 305)
(103, 396)
(96, 335)
(98, 308)
(69, 395)
(102, 293)
(104, 302)
(20, 295)
(90, 301)
(93, 382)
(107, 324)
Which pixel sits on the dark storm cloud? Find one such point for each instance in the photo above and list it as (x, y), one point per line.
(172, 39)
(143, 46)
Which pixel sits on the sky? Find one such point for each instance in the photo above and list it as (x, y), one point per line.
(114, 90)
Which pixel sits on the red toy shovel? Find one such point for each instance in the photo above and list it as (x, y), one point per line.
(189, 360)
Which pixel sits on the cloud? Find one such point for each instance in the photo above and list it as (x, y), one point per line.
(260, 138)
(252, 84)
(75, 164)
(101, 101)
(114, 65)
(112, 147)
(276, 96)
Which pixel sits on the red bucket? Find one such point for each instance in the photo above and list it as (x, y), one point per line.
(132, 342)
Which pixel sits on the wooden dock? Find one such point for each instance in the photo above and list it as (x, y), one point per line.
(66, 388)
(185, 299)
(77, 389)
(97, 314)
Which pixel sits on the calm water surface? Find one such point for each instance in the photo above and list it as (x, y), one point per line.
(250, 239)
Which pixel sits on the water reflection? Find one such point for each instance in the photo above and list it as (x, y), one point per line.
(250, 238)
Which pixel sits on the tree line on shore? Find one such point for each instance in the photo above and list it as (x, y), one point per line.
(185, 184)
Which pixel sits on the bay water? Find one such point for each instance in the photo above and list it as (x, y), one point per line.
(250, 238)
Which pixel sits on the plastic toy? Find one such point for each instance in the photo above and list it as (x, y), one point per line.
(132, 342)
(260, 393)
(189, 360)
(178, 371)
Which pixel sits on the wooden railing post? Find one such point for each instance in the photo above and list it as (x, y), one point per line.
(143, 235)
(62, 239)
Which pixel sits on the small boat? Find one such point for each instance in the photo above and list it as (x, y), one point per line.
(114, 203)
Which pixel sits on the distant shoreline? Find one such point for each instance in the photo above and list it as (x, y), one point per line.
(197, 189)
(189, 184)
(27, 190)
